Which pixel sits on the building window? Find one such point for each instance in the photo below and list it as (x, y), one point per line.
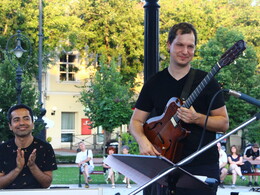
(67, 126)
(66, 137)
(68, 67)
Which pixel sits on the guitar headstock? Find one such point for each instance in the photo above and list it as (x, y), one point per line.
(232, 53)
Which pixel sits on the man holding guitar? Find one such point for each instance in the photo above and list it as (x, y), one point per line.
(168, 83)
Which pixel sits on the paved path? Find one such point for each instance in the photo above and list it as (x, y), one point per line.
(122, 190)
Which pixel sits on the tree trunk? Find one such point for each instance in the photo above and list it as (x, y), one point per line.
(107, 138)
(120, 141)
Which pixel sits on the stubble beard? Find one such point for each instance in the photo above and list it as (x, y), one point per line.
(24, 133)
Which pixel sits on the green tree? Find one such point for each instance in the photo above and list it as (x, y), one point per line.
(129, 140)
(239, 76)
(252, 134)
(107, 100)
(115, 27)
(102, 27)
(18, 15)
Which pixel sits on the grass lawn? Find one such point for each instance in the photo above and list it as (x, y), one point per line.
(69, 175)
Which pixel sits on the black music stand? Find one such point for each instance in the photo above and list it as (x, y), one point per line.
(129, 168)
(136, 168)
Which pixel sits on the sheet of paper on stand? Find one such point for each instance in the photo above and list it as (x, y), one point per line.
(136, 168)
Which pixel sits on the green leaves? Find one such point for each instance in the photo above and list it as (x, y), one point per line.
(240, 76)
(208, 17)
(107, 100)
(8, 94)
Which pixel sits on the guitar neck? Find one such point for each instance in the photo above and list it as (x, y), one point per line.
(201, 86)
(199, 89)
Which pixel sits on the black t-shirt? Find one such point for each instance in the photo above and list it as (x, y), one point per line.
(250, 152)
(234, 159)
(160, 88)
(45, 160)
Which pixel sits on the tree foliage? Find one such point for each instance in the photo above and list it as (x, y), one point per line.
(102, 27)
(116, 27)
(252, 134)
(208, 16)
(239, 76)
(129, 140)
(8, 95)
(107, 100)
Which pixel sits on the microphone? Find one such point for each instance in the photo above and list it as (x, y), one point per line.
(243, 96)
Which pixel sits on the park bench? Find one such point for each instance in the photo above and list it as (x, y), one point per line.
(249, 174)
(253, 162)
(93, 173)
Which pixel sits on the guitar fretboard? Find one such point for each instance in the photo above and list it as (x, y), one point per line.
(198, 89)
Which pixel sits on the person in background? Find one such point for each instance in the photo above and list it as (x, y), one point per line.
(222, 163)
(235, 160)
(26, 162)
(125, 150)
(252, 153)
(110, 172)
(84, 159)
(168, 83)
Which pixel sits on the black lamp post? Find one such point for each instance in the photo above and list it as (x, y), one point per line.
(151, 38)
(18, 52)
(39, 123)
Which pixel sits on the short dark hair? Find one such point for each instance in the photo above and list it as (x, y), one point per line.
(255, 145)
(16, 107)
(111, 148)
(185, 28)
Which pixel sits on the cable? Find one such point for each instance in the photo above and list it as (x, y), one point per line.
(205, 124)
(207, 116)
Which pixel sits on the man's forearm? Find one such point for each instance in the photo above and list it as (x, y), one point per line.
(136, 129)
(136, 125)
(247, 158)
(5, 180)
(214, 123)
(44, 178)
(87, 160)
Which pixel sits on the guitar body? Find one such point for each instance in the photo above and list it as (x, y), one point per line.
(164, 135)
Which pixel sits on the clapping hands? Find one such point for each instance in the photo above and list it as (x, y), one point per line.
(20, 160)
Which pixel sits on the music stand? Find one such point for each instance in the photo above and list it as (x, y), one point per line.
(135, 167)
(173, 167)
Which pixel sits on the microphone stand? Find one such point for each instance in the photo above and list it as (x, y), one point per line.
(187, 159)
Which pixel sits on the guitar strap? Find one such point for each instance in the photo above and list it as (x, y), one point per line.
(187, 86)
(185, 91)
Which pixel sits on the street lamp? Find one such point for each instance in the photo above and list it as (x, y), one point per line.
(18, 40)
(39, 123)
